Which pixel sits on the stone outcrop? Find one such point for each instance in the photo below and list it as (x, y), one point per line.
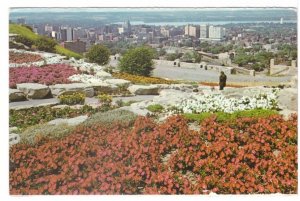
(118, 82)
(34, 90)
(16, 95)
(103, 75)
(14, 139)
(59, 89)
(103, 87)
(143, 89)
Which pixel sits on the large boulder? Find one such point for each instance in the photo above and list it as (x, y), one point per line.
(14, 139)
(118, 82)
(16, 95)
(59, 89)
(103, 75)
(34, 90)
(71, 122)
(102, 87)
(143, 89)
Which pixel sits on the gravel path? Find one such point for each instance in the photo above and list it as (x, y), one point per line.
(202, 75)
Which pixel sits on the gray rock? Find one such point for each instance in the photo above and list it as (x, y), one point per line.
(34, 90)
(71, 122)
(143, 89)
(13, 129)
(103, 87)
(103, 75)
(16, 95)
(14, 139)
(59, 89)
(118, 82)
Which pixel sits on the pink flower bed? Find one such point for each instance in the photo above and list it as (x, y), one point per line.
(19, 58)
(49, 75)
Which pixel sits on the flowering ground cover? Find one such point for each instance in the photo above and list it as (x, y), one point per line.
(49, 74)
(219, 103)
(20, 58)
(31, 116)
(136, 79)
(251, 155)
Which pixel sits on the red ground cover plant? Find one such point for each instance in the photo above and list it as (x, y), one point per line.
(20, 58)
(49, 74)
(252, 155)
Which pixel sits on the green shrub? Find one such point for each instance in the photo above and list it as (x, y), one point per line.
(138, 61)
(222, 116)
(45, 44)
(34, 134)
(155, 108)
(98, 54)
(108, 118)
(72, 99)
(26, 41)
(66, 52)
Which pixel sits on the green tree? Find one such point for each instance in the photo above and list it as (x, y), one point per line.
(45, 44)
(98, 54)
(138, 61)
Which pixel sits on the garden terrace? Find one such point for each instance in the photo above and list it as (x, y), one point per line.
(251, 155)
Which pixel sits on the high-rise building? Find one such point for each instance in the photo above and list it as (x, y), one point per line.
(191, 30)
(69, 34)
(63, 34)
(216, 33)
(204, 31)
(165, 32)
(127, 27)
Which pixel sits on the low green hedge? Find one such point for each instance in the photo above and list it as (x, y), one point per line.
(222, 116)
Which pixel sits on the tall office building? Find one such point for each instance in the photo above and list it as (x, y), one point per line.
(204, 31)
(127, 27)
(216, 33)
(191, 30)
(69, 34)
(48, 28)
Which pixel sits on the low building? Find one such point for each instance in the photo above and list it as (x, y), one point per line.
(76, 46)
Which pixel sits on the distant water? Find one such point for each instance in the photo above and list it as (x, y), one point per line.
(211, 22)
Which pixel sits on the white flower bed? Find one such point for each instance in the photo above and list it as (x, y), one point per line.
(87, 79)
(84, 66)
(218, 102)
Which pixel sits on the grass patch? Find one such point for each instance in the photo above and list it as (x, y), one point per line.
(222, 116)
(155, 108)
(66, 52)
(28, 34)
(34, 134)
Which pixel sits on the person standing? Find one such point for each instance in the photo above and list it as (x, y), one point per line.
(222, 80)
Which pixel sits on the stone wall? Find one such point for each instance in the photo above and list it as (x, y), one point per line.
(282, 69)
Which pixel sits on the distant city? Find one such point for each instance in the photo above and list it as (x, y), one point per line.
(209, 31)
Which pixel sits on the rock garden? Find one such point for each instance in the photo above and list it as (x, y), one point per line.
(104, 132)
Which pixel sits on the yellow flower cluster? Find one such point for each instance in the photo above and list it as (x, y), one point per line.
(137, 79)
(105, 99)
(72, 99)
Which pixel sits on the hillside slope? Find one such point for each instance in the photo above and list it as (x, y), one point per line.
(28, 34)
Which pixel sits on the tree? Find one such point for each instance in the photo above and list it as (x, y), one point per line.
(45, 44)
(138, 61)
(98, 54)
